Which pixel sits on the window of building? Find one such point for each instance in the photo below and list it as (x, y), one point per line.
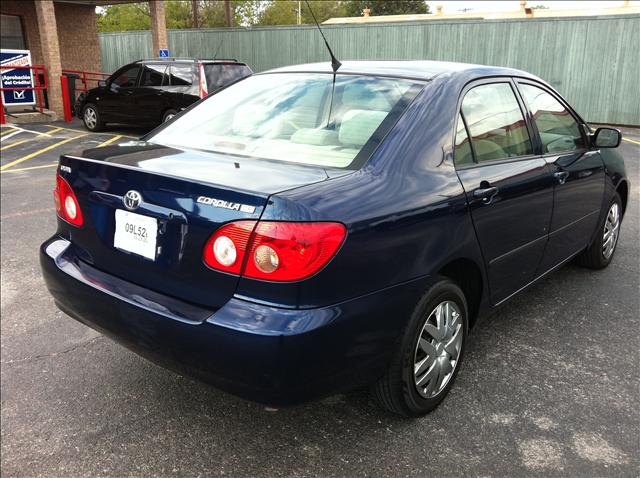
(11, 36)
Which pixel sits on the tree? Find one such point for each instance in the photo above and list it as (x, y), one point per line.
(285, 12)
(354, 8)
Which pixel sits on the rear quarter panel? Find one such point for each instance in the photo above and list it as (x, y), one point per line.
(405, 212)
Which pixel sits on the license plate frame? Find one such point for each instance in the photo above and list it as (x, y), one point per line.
(136, 234)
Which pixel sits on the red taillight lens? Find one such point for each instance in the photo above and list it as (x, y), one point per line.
(67, 205)
(289, 251)
(276, 251)
(226, 247)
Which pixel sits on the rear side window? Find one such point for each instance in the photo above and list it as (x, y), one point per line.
(154, 75)
(495, 122)
(462, 154)
(558, 129)
(181, 75)
(126, 78)
(221, 75)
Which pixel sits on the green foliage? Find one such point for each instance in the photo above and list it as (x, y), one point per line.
(285, 12)
(131, 16)
(354, 8)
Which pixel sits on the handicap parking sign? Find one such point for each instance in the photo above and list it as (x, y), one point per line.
(16, 77)
(164, 54)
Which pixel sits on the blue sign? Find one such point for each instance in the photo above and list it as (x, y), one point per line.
(164, 53)
(16, 78)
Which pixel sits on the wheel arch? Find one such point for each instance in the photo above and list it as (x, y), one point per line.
(623, 191)
(468, 276)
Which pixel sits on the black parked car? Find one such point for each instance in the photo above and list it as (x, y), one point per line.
(150, 92)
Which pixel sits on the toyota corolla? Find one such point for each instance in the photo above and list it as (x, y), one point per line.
(306, 231)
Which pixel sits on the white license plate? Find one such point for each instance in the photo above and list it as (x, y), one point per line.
(136, 233)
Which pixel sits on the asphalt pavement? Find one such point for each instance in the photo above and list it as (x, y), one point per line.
(549, 386)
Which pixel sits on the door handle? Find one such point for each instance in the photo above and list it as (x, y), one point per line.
(561, 176)
(485, 195)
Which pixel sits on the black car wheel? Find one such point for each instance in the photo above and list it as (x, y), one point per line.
(91, 118)
(168, 115)
(600, 252)
(428, 358)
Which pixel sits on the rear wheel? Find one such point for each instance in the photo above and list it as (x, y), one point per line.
(428, 358)
(600, 252)
(91, 118)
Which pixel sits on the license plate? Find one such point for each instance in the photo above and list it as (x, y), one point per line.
(136, 233)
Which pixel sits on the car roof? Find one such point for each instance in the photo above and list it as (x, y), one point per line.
(414, 69)
(192, 60)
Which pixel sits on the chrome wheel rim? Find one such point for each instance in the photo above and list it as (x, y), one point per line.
(611, 231)
(438, 349)
(168, 117)
(90, 118)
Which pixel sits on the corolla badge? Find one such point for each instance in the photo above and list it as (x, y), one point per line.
(132, 200)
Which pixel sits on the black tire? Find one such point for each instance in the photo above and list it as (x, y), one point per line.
(594, 256)
(97, 124)
(397, 391)
(168, 115)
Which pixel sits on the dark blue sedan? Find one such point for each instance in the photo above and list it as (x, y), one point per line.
(303, 232)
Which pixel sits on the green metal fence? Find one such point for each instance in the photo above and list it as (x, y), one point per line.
(593, 61)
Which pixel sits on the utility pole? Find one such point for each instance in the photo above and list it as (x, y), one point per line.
(227, 13)
(194, 12)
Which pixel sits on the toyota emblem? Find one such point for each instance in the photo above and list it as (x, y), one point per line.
(132, 200)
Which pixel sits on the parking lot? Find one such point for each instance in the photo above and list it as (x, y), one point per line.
(549, 386)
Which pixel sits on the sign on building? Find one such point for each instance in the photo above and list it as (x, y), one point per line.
(16, 78)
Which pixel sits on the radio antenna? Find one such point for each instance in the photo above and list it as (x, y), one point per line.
(335, 63)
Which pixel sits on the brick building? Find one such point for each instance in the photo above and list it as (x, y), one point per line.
(62, 34)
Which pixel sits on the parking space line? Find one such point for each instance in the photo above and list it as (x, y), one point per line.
(29, 168)
(110, 140)
(8, 130)
(43, 150)
(84, 131)
(631, 140)
(37, 133)
(3, 148)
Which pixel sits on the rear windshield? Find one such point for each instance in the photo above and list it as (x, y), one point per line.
(317, 119)
(219, 75)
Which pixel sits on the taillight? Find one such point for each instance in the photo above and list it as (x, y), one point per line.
(273, 250)
(67, 205)
(226, 247)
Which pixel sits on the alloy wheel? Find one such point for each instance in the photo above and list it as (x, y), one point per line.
(90, 118)
(611, 231)
(438, 349)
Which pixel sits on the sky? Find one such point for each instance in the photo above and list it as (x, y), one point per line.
(514, 5)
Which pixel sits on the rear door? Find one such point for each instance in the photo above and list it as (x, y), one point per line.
(509, 189)
(184, 88)
(151, 96)
(116, 103)
(578, 172)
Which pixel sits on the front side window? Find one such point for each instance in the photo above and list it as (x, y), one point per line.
(126, 78)
(181, 75)
(154, 75)
(558, 129)
(496, 124)
(294, 117)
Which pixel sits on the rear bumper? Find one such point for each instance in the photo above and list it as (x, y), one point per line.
(262, 353)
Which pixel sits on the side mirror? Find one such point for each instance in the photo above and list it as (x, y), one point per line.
(102, 83)
(607, 138)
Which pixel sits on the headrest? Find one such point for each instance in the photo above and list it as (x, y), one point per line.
(358, 126)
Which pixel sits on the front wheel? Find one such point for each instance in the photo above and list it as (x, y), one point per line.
(91, 118)
(428, 358)
(168, 115)
(600, 252)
